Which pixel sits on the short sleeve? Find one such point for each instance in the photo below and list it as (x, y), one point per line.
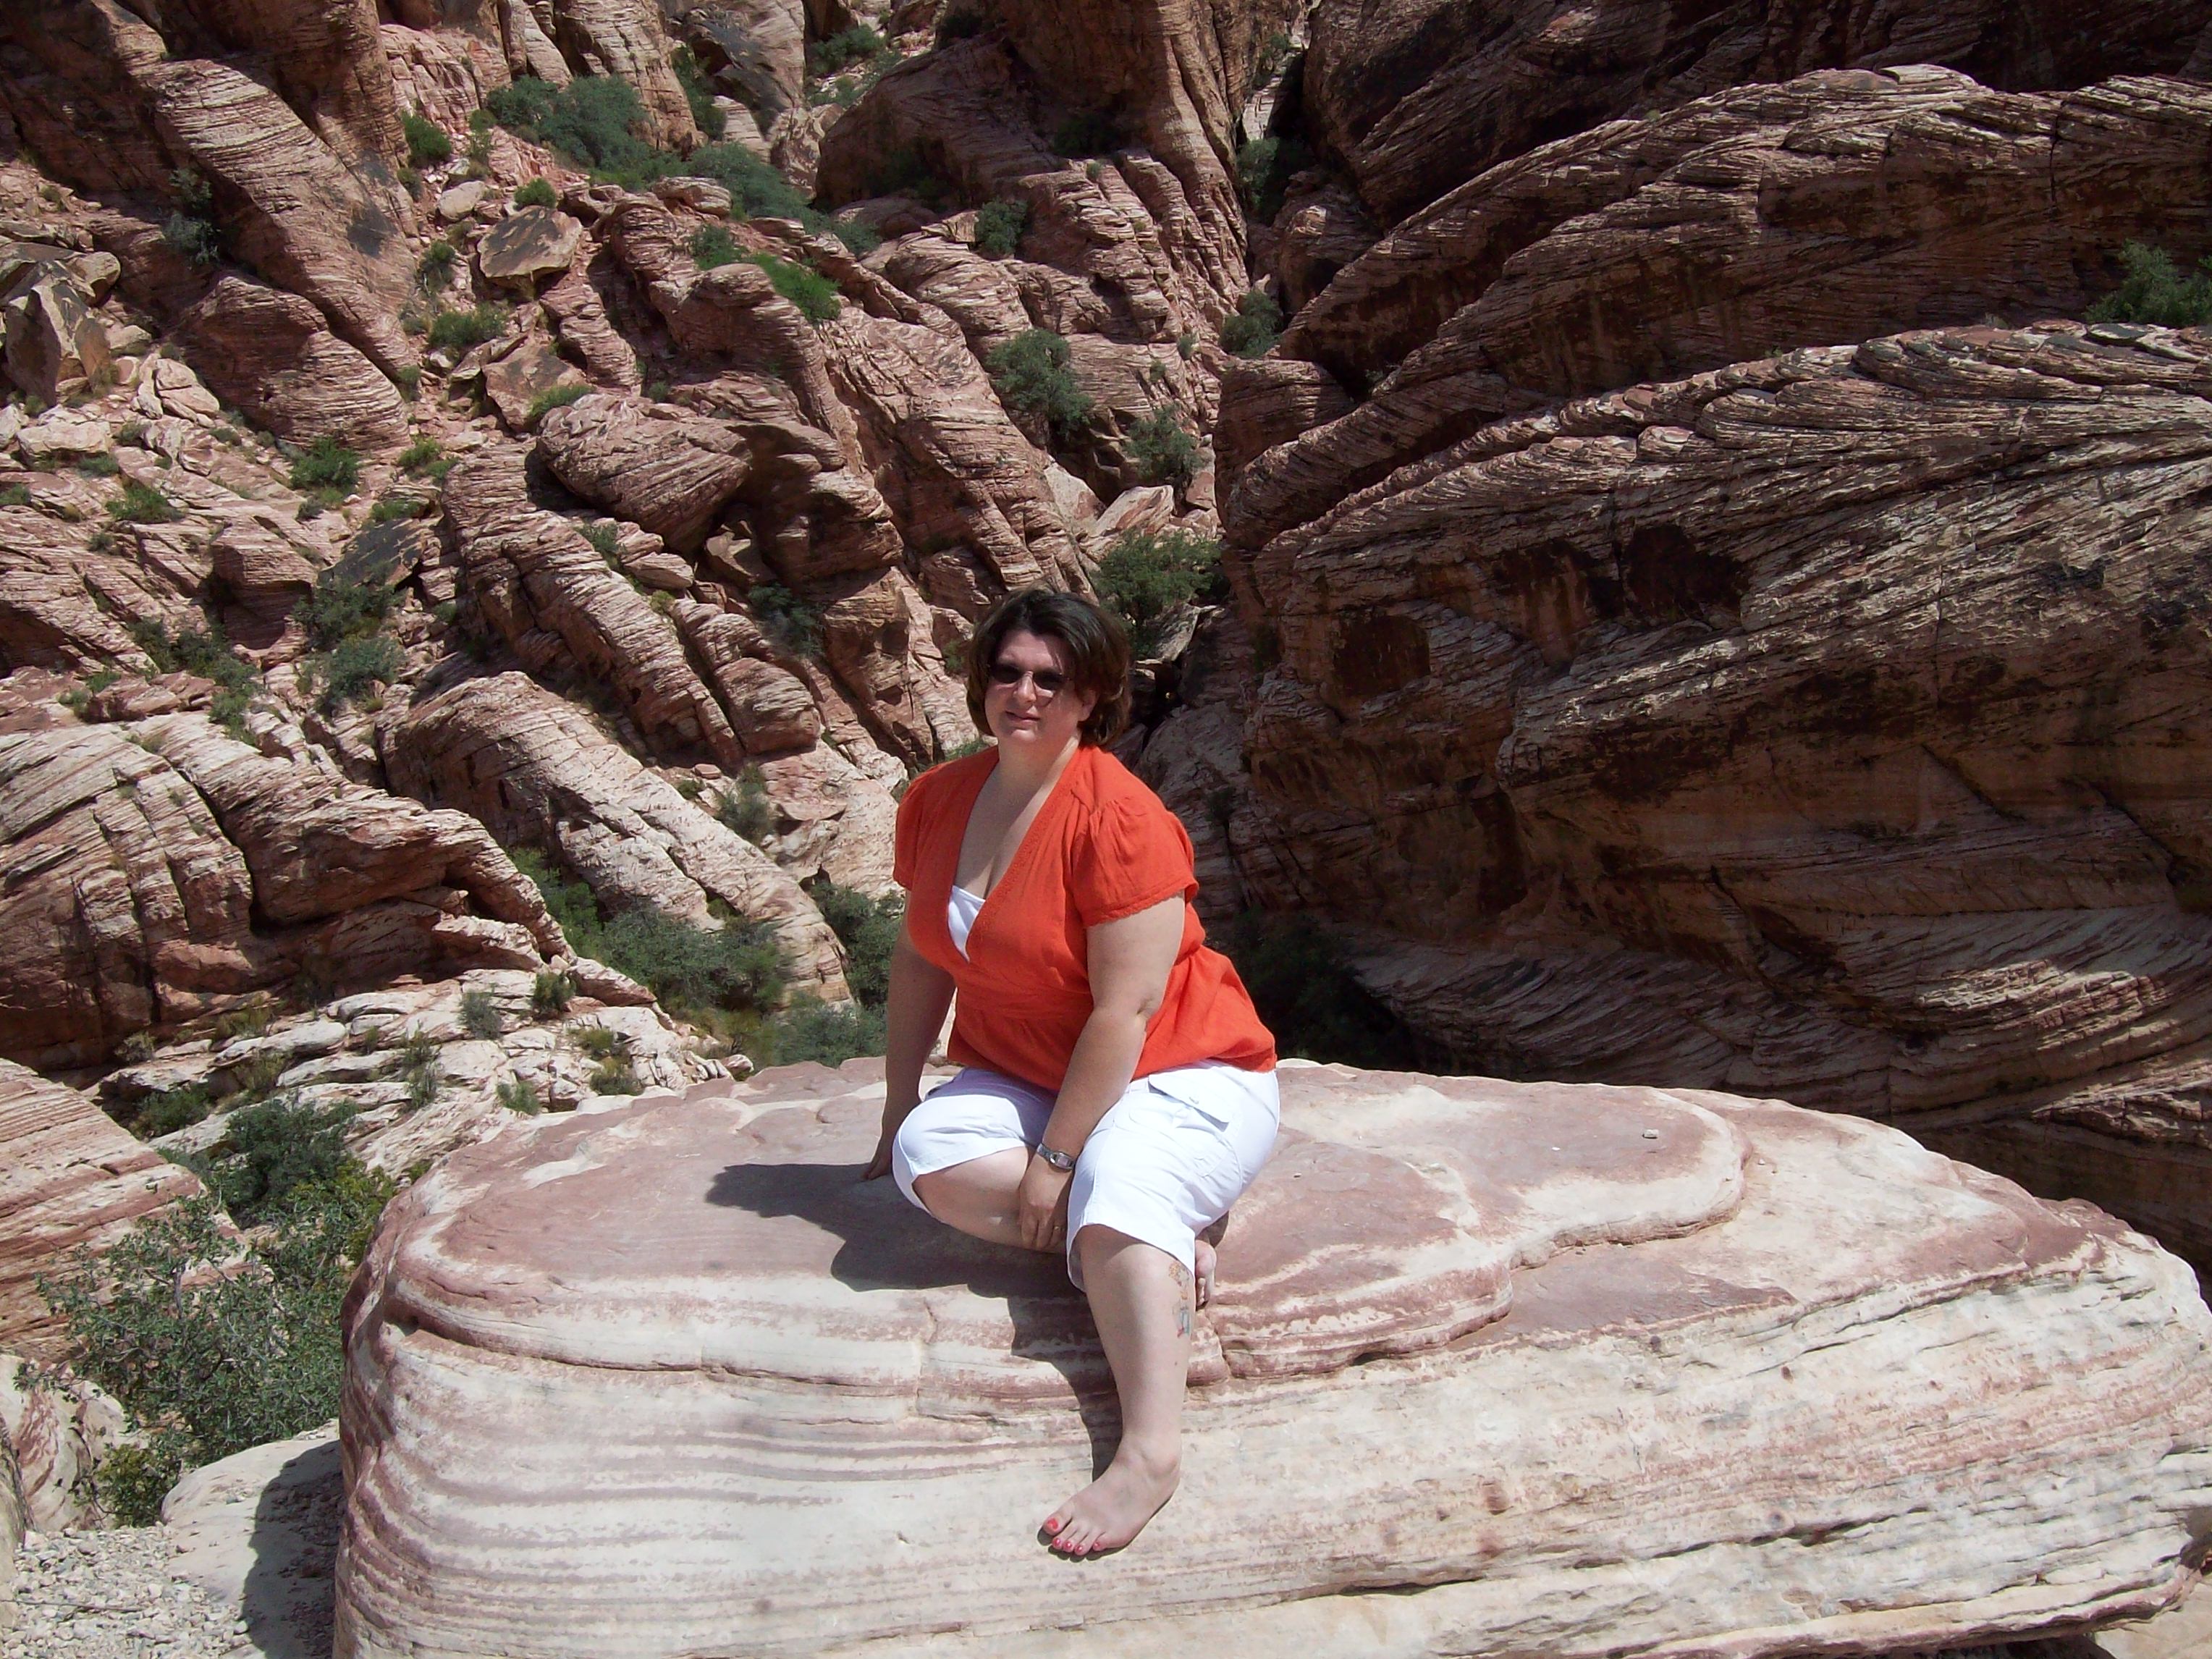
(909, 831)
(1135, 854)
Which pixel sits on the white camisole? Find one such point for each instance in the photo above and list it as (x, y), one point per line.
(960, 913)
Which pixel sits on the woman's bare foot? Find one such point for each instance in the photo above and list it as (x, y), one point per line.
(1111, 1510)
(1203, 1252)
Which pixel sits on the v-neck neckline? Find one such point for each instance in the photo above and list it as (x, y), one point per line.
(1021, 848)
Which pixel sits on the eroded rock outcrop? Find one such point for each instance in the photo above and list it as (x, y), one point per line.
(71, 1180)
(1818, 726)
(1571, 1306)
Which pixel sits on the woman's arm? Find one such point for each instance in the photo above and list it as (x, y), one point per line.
(1128, 963)
(913, 1013)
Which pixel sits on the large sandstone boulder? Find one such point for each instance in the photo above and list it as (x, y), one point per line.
(272, 355)
(1826, 725)
(1567, 1370)
(71, 1180)
(1415, 96)
(534, 769)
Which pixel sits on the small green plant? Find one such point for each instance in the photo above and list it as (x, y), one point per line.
(191, 229)
(355, 669)
(1089, 133)
(258, 1076)
(746, 811)
(603, 534)
(613, 1076)
(339, 608)
(1250, 329)
(1310, 1001)
(427, 144)
(520, 1095)
(139, 1047)
(815, 294)
(959, 23)
(812, 1030)
(1164, 453)
(553, 397)
(421, 456)
(15, 496)
(535, 193)
(790, 620)
(550, 992)
(2157, 290)
(479, 149)
(165, 1111)
(435, 271)
(398, 506)
(141, 503)
(1146, 575)
(999, 227)
(600, 1042)
(326, 463)
(869, 930)
(712, 246)
(210, 656)
(480, 1015)
(103, 465)
(857, 45)
(706, 114)
(1031, 375)
(461, 331)
(1264, 169)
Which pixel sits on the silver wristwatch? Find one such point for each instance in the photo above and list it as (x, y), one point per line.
(1059, 1161)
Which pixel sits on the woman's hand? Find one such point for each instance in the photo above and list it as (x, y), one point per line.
(880, 1164)
(1041, 1206)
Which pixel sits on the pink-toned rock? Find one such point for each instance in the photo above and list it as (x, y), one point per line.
(60, 1429)
(754, 50)
(53, 339)
(627, 38)
(770, 708)
(71, 1179)
(670, 472)
(515, 381)
(527, 245)
(578, 311)
(1571, 1305)
(442, 74)
(271, 354)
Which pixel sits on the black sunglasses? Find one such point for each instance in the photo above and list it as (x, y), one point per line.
(1048, 680)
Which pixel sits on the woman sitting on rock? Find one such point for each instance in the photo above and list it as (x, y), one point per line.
(1118, 1088)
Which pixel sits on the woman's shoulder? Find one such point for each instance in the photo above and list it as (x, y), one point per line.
(928, 786)
(1108, 792)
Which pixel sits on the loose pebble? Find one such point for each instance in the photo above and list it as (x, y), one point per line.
(109, 1596)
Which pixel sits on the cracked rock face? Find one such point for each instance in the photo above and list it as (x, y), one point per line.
(1598, 1330)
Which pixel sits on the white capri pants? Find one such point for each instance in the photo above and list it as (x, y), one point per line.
(1164, 1163)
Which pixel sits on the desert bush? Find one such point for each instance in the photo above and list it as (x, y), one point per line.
(520, 1095)
(420, 455)
(480, 1016)
(712, 246)
(600, 1042)
(1250, 330)
(535, 193)
(815, 294)
(812, 1030)
(2157, 290)
(553, 397)
(1031, 375)
(745, 810)
(141, 503)
(15, 496)
(102, 465)
(165, 1111)
(338, 608)
(1164, 451)
(1309, 999)
(1147, 574)
(999, 227)
(793, 623)
(427, 142)
(459, 331)
(207, 655)
(857, 45)
(706, 114)
(354, 668)
(435, 271)
(325, 464)
(868, 929)
(550, 992)
(191, 229)
(522, 105)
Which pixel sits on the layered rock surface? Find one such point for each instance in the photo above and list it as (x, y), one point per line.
(1626, 1321)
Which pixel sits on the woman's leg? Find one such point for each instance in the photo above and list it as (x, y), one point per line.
(1140, 1298)
(978, 1197)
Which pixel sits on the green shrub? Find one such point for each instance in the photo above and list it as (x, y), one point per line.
(420, 455)
(999, 227)
(141, 503)
(102, 465)
(535, 193)
(340, 608)
(553, 397)
(1250, 330)
(479, 151)
(868, 929)
(613, 1076)
(706, 114)
(745, 810)
(712, 246)
(435, 271)
(789, 619)
(1031, 375)
(191, 229)
(191, 193)
(1308, 998)
(396, 506)
(550, 992)
(1091, 132)
(523, 105)
(2157, 290)
(600, 1042)
(757, 190)
(15, 496)
(812, 1029)
(815, 294)
(255, 1078)
(605, 535)
(326, 463)
(965, 23)
(354, 668)
(1147, 574)
(859, 240)
(1163, 452)
(427, 144)
(165, 1111)
(210, 656)
(480, 1016)
(1264, 169)
(857, 45)
(459, 331)
(520, 1095)
(592, 121)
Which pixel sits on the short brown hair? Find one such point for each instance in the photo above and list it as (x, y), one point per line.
(1097, 654)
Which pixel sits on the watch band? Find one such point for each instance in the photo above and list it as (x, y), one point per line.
(1059, 1161)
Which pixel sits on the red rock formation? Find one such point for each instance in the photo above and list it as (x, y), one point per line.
(70, 1180)
(272, 355)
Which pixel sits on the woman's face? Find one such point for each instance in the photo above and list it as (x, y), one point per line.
(1025, 716)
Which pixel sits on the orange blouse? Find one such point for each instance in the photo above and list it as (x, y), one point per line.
(1100, 847)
